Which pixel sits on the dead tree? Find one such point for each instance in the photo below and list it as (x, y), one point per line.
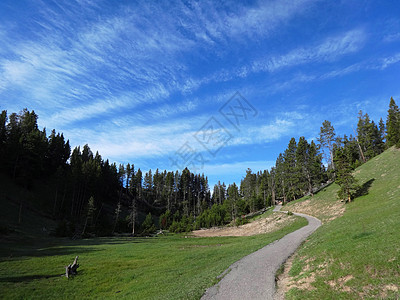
(71, 268)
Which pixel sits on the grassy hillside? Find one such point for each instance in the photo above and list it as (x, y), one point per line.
(358, 254)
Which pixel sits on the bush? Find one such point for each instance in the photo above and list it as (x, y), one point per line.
(165, 220)
(148, 226)
(241, 221)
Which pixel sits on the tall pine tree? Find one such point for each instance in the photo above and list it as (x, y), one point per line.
(326, 139)
(344, 176)
(393, 125)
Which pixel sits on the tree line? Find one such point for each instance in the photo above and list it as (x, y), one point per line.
(90, 195)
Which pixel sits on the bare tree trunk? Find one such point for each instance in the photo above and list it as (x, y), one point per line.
(333, 164)
(133, 215)
(84, 227)
(15, 167)
(117, 212)
(55, 201)
(265, 203)
(63, 198)
(359, 146)
(273, 196)
(72, 202)
(20, 213)
(98, 214)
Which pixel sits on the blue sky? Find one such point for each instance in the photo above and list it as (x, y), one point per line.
(146, 82)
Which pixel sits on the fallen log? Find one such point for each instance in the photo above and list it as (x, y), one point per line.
(71, 268)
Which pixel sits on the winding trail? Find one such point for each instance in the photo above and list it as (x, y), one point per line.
(253, 277)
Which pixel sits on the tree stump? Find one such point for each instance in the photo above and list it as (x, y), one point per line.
(71, 268)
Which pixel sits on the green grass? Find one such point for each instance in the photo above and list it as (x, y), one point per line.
(168, 267)
(264, 215)
(357, 255)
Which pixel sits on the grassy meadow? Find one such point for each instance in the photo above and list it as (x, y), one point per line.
(165, 267)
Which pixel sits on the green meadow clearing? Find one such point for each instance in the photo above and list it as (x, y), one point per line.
(165, 267)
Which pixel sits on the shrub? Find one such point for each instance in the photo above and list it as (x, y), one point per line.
(241, 221)
(148, 226)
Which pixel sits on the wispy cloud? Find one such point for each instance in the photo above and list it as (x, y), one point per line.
(230, 168)
(391, 37)
(235, 21)
(328, 50)
(387, 61)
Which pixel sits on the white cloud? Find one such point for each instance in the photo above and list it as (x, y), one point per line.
(241, 166)
(16, 72)
(329, 49)
(391, 37)
(390, 61)
(214, 22)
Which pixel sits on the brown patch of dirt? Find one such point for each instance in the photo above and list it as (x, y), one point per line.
(285, 282)
(264, 225)
(366, 290)
(382, 289)
(371, 271)
(391, 287)
(313, 208)
(340, 284)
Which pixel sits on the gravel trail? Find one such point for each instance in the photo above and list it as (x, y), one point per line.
(253, 277)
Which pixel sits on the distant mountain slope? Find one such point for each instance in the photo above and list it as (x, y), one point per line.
(358, 254)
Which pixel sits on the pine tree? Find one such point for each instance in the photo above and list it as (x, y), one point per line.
(326, 139)
(272, 185)
(302, 166)
(281, 178)
(393, 124)
(232, 200)
(369, 137)
(351, 149)
(382, 129)
(264, 188)
(247, 189)
(89, 215)
(344, 176)
(3, 137)
(291, 176)
(310, 170)
(148, 226)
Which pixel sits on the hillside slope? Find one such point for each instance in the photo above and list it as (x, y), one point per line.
(358, 254)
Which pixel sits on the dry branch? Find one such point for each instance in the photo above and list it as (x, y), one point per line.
(71, 268)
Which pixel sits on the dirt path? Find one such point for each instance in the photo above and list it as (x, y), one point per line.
(263, 225)
(253, 277)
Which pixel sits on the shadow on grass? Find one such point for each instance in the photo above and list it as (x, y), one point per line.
(361, 235)
(364, 188)
(28, 278)
(54, 246)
